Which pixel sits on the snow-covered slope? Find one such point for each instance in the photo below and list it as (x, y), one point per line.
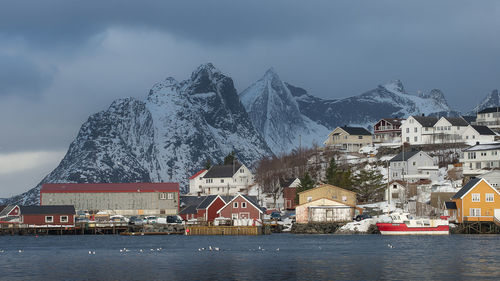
(276, 115)
(389, 100)
(491, 100)
(166, 137)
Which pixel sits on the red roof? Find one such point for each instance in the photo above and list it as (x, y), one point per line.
(197, 174)
(109, 187)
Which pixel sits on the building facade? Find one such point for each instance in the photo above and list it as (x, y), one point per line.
(241, 207)
(477, 201)
(325, 210)
(480, 158)
(387, 130)
(477, 133)
(330, 192)
(225, 180)
(195, 183)
(412, 166)
(489, 117)
(114, 198)
(418, 130)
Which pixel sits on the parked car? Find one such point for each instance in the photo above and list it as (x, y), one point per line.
(118, 218)
(362, 217)
(135, 221)
(174, 219)
(81, 220)
(151, 219)
(276, 216)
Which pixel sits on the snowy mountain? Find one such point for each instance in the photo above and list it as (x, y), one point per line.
(491, 100)
(389, 100)
(276, 115)
(166, 137)
(282, 112)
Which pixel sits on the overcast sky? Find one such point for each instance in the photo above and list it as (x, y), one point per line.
(61, 61)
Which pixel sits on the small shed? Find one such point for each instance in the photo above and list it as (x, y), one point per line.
(325, 210)
(52, 215)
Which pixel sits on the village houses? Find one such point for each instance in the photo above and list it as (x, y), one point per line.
(387, 130)
(478, 133)
(489, 117)
(349, 139)
(418, 130)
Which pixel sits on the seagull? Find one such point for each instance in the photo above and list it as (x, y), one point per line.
(20, 251)
(93, 253)
(216, 248)
(260, 248)
(158, 249)
(199, 250)
(121, 251)
(278, 249)
(390, 246)
(210, 248)
(140, 250)
(151, 250)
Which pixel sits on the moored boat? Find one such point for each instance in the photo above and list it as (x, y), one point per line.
(402, 224)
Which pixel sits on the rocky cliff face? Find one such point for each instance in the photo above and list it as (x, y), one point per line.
(491, 100)
(166, 137)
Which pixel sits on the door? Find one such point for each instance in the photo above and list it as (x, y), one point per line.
(288, 203)
(244, 215)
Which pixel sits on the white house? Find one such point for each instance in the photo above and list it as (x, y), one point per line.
(397, 191)
(480, 158)
(417, 130)
(412, 166)
(489, 117)
(449, 130)
(478, 133)
(195, 183)
(492, 177)
(226, 180)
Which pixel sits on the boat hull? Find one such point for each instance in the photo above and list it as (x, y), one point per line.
(403, 229)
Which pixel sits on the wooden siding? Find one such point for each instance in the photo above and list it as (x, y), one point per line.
(487, 208)
(250, 212)
(330, 192)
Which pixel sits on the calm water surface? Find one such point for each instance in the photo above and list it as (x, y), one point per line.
(300, 257)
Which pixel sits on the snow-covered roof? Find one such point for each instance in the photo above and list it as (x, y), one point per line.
(485, 146)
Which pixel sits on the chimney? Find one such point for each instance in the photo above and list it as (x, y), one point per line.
(423, 114)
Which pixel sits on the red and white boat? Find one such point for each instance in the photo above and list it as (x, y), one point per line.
(402, 224)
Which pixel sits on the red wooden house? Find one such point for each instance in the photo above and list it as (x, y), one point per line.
(207, 210)
(241, 207)
(289, 192)
(40, 216)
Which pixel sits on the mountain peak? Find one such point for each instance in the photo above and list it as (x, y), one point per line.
(395, 86)
(206, 69)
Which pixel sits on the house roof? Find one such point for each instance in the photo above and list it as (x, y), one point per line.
(483, 130)
(357, 131)
(250, 199)
(490, 110)
(468, 186)
(450, 205)
(407, 155)
(222, 171)
(456, 121)
(5, 210)
(48, 210)
(393, 121)
(197, 174)
(188, 210)
(109, 187)
(191, 200)
(426, 121)
(484, 146)
(208, 200)
(400, 182)
(470, 119)
(287, 182)
(326, 185)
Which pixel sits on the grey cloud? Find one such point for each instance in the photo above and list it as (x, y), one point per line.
(20, 76)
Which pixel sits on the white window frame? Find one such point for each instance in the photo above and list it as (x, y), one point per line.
(163, 196)
(243, 204)
(489, 197)
(235, 204)
(344, 198)
(64, 219)
(475, 212)
(51, 219)
(309, 199)
(234, 216)
(170, 196)
(476, 197)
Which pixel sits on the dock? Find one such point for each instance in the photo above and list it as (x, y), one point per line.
(226, 230)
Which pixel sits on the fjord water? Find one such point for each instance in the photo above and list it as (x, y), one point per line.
(300, 257)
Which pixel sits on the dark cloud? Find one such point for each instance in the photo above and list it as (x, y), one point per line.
(20, 76)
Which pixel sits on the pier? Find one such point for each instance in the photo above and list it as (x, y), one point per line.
(227, 230)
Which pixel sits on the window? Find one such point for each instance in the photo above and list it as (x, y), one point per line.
(426, 129)
(415, 138)
(163, 196)
(234, 216)
(414, 163)
(394, 187)
(309, 199)
(235, 204)
(221, 180)
(415, 129)
(475, 212)
(471, 155)
(360, 137)
(242, 171)
(209, 180)
(494, 152)
(344, 198)
(170, 195)
(49, 219)
(64, 218)
(490, 197)
(243, 204)
(476, 197)
(407, 139)
(483, 153)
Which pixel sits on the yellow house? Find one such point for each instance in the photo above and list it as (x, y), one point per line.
(477, 201)
(330, 192)
(350, 139)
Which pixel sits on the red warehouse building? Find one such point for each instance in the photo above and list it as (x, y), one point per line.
(41, 216)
